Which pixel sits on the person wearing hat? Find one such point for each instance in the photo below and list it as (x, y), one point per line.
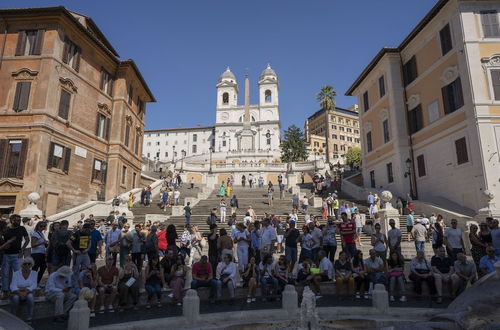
(419, 234)
(24, 282)
(79, 244)
(242, 239)
(58, 291)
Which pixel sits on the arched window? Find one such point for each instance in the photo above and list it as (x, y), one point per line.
(268, 138)
(268, 96)
(225, 98)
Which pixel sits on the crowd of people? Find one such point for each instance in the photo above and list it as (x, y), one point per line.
(247, 251)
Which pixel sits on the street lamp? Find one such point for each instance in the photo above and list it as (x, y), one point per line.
(211, 149)
(408, 175)
(315, 165)
(173, 154)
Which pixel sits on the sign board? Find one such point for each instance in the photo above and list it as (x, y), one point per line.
(79, 151)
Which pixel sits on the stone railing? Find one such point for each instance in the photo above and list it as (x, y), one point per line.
(102, 209)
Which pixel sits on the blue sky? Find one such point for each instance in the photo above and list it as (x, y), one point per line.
(181, 47)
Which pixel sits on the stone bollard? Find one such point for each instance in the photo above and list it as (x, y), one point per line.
(177, 210)
(191, 306)
(290, 300)
(189, 278)
(79, 316)
(380, 298)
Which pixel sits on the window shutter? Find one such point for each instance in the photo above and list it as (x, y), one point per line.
(494, 28)
(21, 43)
(104, 172)
(108, 124)
(97, 125)
(489, 20)
(65, 51)
(67, 157)
(127, 134)
(22, 95)
(110, 86)
(22, 158)
(495, 81)
(4, 143)
(38, 42)
(458, 94)
(51, 155)
(76, 64)
(446, 99)
(64, 104)
(101, 84)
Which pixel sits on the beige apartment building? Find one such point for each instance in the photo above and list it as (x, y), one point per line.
(331, 133)
(430, 108)
(71, 112)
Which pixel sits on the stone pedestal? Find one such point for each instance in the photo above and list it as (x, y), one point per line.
(387, 213)
(316, 201)
(79, 316)
(291, 180)
(191, 306)
(380, 298)
(192, 200)
(32, 209)
(488, 211)
(123, 207)
(211, 181)
(295, 190)
(290, 300)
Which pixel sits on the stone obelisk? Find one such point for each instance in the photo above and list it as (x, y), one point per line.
(246, 136)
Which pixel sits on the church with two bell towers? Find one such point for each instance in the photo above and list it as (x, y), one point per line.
(242, 132)
(261, 119)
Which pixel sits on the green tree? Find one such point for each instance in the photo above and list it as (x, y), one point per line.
(326, 97)
(293, 146)
(353, 156)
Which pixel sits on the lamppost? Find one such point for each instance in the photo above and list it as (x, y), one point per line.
(408, 175)
(173, 154)
(315, 164)
(183, 154)
(211, 149)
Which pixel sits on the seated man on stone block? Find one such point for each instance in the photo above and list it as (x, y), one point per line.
(442, 266)
(203, 276)
(465, 273)
(58, 290)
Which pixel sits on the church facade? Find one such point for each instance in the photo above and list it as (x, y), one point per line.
(224, 138)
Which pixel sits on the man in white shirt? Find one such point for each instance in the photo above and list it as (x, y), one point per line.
(317, 236)
(177, 195)
(267, 238)
(58, 291)
(419, 234)
(371, 198)
(394, 237)
(326, 269)
(453, 240)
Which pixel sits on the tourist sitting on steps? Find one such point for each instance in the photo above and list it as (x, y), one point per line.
(465, 273)
(268, 276)
(421, 271)
(395, 273)
(376, 269)
(442, 266)
(343, 274)
(250, 277)
(128, 286)
(58, 291)
(226, 275)
(107, 284)
(22, 287)
(179, 271)
(360, 275)
(203, 277)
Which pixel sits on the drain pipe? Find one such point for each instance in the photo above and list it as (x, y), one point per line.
(413, 177)
(3, 42)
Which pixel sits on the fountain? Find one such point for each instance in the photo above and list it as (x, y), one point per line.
(309, 319)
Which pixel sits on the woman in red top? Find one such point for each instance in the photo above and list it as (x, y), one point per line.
(162, 240)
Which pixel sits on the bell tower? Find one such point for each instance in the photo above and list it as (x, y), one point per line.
(227, 90)
(268, 88)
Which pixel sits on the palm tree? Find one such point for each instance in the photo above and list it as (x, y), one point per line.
(326, 97)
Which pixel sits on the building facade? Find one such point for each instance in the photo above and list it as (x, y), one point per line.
(172, 144)
(71, 112)
(430, 116)
(339, 129)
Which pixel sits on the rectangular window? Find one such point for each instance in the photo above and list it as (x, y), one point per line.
(335, 147)
(461, 149)
(166, 154)
(195, 150)
(103, 126)
(366, 103)
(341, 128)
(106, 82)
(124, 174)
(342, 138)
(22, 96)
(385, 127)
(421, 166)
(195, 138)
(71, 54)
(29, 42)
(372, 179)
(223, 143)
(127, 135)
(489, 21)
(64, 103)
(13, 155)
(410, 71)
(445, 37)
(334, 136)
(416, 120)
(369, 145)
(453, 98)
(97, 170)
(141, 105)
(59, 157)
(381, 86)
(390, 176)
(130, 94)
(495, 82)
